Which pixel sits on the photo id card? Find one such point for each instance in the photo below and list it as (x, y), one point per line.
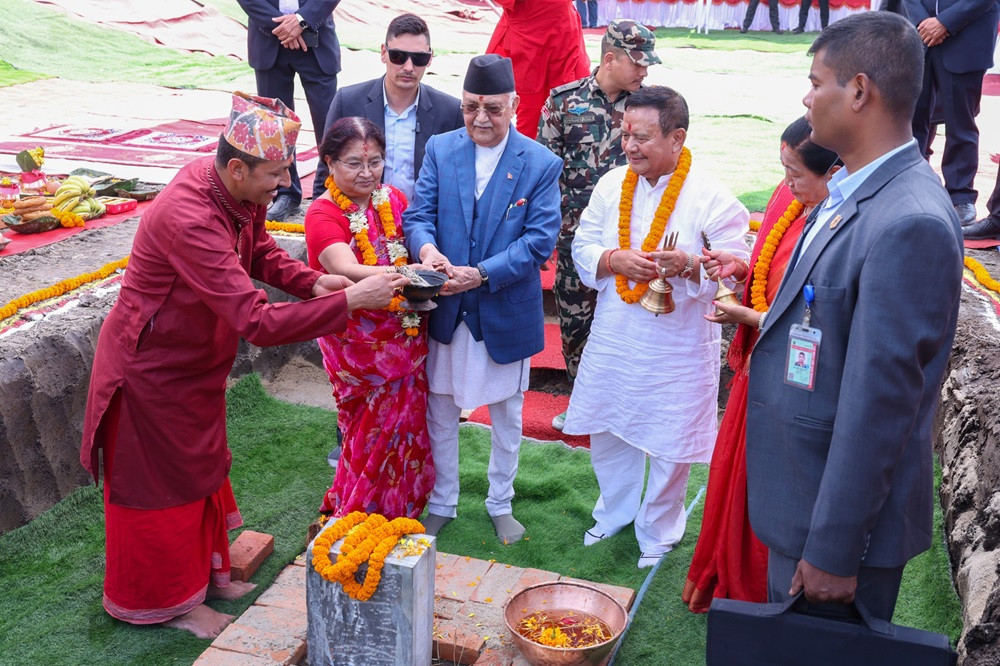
(803, 353)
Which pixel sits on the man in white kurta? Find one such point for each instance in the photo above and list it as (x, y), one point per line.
(648, 385)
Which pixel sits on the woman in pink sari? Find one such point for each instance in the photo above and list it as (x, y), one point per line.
(376, 365)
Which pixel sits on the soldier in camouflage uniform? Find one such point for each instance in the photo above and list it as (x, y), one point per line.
(581, 123)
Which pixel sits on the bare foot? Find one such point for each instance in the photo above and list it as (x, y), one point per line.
(201, 621)
(234, 590)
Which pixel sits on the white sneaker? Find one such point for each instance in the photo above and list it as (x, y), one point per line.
(558, 421)
(646, 560)
(592, 536)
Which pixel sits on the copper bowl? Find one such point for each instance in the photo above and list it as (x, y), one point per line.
(564, 595)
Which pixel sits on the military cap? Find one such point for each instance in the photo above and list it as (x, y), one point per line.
(635, 39)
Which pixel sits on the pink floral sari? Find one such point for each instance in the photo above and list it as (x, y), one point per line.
(380, 384)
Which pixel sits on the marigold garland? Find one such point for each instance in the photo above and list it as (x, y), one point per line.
(663, 212)
(366, 537)
(398, 255)
(754, 225)
(758, 289)
(67, 218)
(58, 289)
(982, 274)
(289, 227)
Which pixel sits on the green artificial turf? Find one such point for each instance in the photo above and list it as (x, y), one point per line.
(39, 38)
(10, 75)
(51, 570)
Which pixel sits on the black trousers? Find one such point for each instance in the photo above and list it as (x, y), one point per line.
(958, 96)
(824, 13)
(320, 87)
(877, 589)
(772, 12)
(993, 205)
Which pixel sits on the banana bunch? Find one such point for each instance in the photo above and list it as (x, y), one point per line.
(76, 195)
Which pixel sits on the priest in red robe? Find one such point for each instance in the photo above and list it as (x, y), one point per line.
(544, 40)
(156, 404)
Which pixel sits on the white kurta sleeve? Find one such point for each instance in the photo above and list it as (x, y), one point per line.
(726, 225)
(588, 244)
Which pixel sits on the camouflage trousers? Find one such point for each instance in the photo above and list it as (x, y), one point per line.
(575, 304)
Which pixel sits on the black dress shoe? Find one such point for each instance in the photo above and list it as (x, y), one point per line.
(743, 31)
(966, 213)
(281, 207)
(987, 228)
(778, 31)
(798, 31)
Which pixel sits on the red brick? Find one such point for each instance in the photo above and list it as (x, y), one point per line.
(458, 578)
(494, 657)
(498, 584)
(287, 591)
(533, 577)
(623, 595)
(446, 609)
(277, 634)
(457, 642)
(216, 657)
(248, 552)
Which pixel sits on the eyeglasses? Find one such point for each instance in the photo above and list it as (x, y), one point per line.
(357, 167)
(492, 110)
(419, 58)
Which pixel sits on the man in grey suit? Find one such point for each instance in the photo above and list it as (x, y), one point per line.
(407, 111)
(839, 455)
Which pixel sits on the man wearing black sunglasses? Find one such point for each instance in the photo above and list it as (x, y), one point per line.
(408, 111)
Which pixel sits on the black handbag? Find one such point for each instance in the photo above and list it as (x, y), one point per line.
(797, 633)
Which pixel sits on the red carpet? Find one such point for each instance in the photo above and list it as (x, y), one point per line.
(539, 408)
(168, 145)
(24, 242)
(549, 276)
(991, 84)
(551, 357)
(981, 244)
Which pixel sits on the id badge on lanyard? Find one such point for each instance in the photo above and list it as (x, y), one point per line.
(803, 348)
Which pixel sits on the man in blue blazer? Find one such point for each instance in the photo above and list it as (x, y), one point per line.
(285, 38)
(406, 110)
(839, 455)
(486, 212)
(959, 36)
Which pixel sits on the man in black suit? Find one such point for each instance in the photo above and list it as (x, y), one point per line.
(959, 36)
(285, 38)
(408, 111)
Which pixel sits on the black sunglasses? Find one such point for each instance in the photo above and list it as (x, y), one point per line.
(397, 57)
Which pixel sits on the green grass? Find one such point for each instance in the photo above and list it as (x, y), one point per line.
(89, 52)
(10, 75)
(732, 40)
(51, 570)
(749, 165)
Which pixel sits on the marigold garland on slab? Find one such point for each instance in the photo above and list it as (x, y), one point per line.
(366, 537)
(398, 256)
(58, 289)
(758, 289)
(981, 274)
(663, 212)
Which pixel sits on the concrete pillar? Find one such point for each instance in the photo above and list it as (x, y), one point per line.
(393, 628)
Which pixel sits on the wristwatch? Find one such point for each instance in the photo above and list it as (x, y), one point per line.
(688, 267)
(482, 273)
(302, 22)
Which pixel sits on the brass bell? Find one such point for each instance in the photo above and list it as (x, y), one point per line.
(657, 298)
(727, 296)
